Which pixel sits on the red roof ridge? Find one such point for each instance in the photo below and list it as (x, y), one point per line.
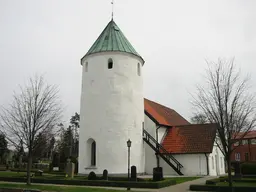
(197, 124)
(162, 115)
(159, 104)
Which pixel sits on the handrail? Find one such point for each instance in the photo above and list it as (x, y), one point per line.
(166, 153)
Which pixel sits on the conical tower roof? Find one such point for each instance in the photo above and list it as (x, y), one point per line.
(112, 39)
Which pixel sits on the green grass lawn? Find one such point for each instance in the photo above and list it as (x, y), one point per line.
(53, 188)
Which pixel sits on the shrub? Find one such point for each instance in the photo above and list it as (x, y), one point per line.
(202, 188)
(248, 168)
(157, 173)
(212, 181)
(92, 176)
(133, 173)
(105, 175)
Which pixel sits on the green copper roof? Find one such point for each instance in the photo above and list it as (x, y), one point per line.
(112, 39)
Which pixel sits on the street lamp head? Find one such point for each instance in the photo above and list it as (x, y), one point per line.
(129, 143)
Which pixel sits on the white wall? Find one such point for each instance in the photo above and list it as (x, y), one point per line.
(111, 112)
(216, 162)
(193, 165)
(161, 134)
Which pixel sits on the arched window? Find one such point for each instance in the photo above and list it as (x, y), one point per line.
(93, 153)
(110, 63)
(86, 67)
(138, 69)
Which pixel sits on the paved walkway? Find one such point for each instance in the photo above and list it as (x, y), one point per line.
(182, 187)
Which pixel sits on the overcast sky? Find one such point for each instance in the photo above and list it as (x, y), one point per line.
(174, 38)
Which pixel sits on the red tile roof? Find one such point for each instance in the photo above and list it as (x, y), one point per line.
(163, 115)
(194, 138)
(248, 135)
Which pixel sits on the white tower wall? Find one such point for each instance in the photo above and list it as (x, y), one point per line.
(112, 111)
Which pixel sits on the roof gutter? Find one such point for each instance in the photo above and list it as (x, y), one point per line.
(207, 163)
(158, 127)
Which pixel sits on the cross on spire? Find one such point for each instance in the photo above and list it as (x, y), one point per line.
(112, 2)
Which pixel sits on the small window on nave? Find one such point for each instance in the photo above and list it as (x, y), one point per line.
(86, 67)
(138, 69)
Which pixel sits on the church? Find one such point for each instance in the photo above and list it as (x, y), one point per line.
(113, 110)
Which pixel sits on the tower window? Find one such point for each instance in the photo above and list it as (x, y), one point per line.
(138, 69)
(110, 63)
(93, 153)
(86, 67)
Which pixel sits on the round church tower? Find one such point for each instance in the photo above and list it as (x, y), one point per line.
(112, 105)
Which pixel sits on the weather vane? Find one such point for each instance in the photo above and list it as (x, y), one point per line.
(112, 2)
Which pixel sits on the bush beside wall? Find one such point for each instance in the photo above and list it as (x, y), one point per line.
(248, 168)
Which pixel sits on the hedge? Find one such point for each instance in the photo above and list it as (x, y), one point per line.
(225, 179)
(17, 190)
(248, 168)
(212, 181)
(25, 170)
(34, 170)
(221, 188)
(132, 184)
(249, 176)
(202, 188)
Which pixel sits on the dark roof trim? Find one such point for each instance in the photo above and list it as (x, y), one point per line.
(155, 121)
(190, 153)
(116, 51)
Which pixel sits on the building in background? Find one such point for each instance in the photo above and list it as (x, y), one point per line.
(245, 149)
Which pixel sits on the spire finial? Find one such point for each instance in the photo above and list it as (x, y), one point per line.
(112, 2)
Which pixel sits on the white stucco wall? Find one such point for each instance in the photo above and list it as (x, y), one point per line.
(216, 162)
(161, 134)
(193, 165)
(111, 112)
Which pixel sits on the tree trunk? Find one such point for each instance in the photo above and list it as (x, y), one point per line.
(230, 184)
(29, 165)
(20, 161)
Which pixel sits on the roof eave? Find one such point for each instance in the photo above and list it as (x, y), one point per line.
(87, 55)
(196, 152)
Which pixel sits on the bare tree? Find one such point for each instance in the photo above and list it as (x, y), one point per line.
(226, 100)
(35, 110)
(199, 119)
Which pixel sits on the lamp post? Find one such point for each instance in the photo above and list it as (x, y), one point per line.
(129, 143)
